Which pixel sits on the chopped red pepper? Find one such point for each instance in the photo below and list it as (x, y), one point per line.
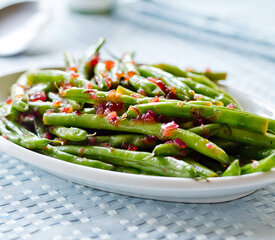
(4, 136)
(41, 96)
(208, 70)
(56, 103)
(112, 118)
(155, 99)
(9, 101)
(230, 105)
(66, 109)
(209, 145)
(95, 59)
(73, 69)
(131, 74)
(109, 82)
(74, 75)
(167, 129)
(180, 143)
(109, 65)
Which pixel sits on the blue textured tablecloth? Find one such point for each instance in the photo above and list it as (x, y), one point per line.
(37, 205)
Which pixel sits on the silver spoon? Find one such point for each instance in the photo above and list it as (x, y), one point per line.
(20, 23)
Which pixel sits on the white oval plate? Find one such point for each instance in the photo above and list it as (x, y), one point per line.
(152, 187)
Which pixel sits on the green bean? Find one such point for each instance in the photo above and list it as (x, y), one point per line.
(57, 77)
(180, 73)
(56, 153)
(42, 107)
(127, 170)
(72, 134)
(213, 114)
(165, 166)
(141, 83)
(201, 170)
(9, 112)
(26, 138)
(247, 137)
(125, 91)
(39, 128)
(13, 137)
(192, 140)
(170, 149)
(181, 90)
(206, 130)
(19, 99)
(224, 144)
(90, 96)
(253, 152)
(213, 76)
(138, 82)
(85, 66)
(100, 78)
(197, 87)
(233, 169)
(126, 140)
(271, 125)
(264, 165)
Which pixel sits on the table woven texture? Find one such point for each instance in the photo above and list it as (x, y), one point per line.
(37, 205)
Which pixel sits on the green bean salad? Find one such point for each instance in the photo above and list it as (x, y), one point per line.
(123, 116)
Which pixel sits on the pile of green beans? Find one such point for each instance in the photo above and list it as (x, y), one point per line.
(155, 119)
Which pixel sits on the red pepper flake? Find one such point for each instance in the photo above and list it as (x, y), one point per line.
(73, 69)
(149, 139)
(129, 147)
(45, 147)
(188, 69)
(180, 143)
(67, 85)
(141, 92)
(134, 95)
(208, 70)
(56, 103)
(155, 99)
(9, 101)
(4, 136)
(209, 145)
(131, 74)
(109, 65)
(68, 109)
(173, 90)
(167, 129)
(108, 82)
(95, 59)
(49, 111)
(19, 96)
(159, 83)
(81, 151)
(106, 145)
(255, 164)
(113, 96)
(41, 96)
(74, 75)
(148, 117)
(112, 118)
(77, 112)
(48, 135)
(120, 75)
(90, 86)
(198, 96)
(230, 105)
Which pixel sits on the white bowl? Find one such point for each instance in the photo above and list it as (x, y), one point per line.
(212, 190)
